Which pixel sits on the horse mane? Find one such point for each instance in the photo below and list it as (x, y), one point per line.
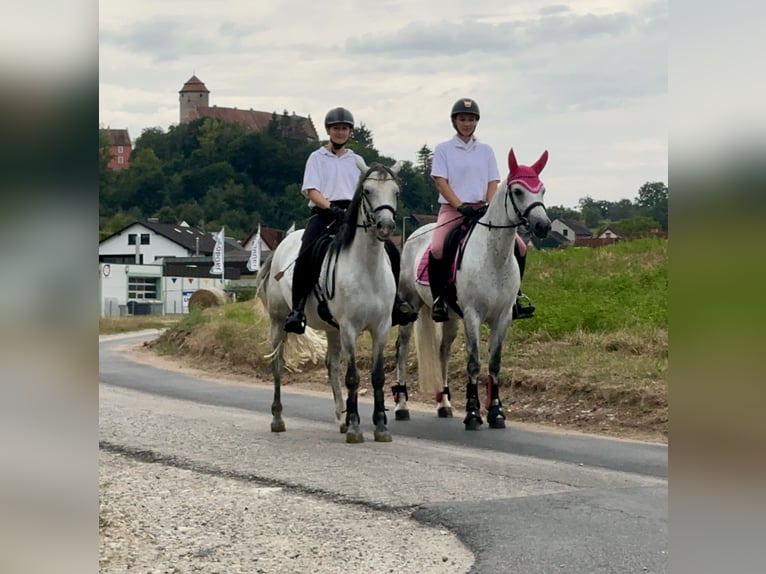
(347, 231)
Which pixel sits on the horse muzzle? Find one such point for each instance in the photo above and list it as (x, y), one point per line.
(541, 228)
(384, 228)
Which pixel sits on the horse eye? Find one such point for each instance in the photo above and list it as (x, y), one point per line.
(518, 192)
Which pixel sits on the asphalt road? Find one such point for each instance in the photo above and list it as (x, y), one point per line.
(520, 501)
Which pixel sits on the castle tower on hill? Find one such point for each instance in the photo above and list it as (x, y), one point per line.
(193, 95)
(194, 103)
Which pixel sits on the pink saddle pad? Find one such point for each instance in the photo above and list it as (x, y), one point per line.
(422, 275)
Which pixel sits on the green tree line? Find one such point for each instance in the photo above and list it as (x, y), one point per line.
(211, 173)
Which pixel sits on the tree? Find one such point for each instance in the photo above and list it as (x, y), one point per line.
(635, 224)
(363, 136)
(105, 175)
(623, 209)
(561, 212)
(653, 201)
(425, 160)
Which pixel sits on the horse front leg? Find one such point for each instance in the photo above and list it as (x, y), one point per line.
(353, 430)
(495, 412)
(449, 332)
(399, 390)
(332, 362)
(472, 420)
(379, 418)
(278, 337)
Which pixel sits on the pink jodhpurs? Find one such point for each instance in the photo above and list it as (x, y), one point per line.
(448, 219)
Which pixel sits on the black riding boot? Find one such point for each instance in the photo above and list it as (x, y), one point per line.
(522, 311)
(438, 276)
(403, 312)
(296, 320)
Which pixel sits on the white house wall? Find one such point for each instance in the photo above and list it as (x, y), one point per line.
(177, 291)
(159, 246)
(559, 227)
(113, 285)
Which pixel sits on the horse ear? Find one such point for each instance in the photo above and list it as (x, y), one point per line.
(513, 165)
(540, 163)
(396, 167)
(361, 165)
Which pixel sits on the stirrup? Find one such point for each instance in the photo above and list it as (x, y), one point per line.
(439, 312)
(522, 311)
(295, 322)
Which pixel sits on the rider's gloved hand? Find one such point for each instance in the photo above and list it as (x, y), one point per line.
(467, 210)
(337, 212)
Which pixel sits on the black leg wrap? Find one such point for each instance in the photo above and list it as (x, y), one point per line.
(472, 420)
(398, 390)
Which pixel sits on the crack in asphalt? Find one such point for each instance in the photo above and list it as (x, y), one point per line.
(154, 457)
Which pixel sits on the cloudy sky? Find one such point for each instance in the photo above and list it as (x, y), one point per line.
(586, 81)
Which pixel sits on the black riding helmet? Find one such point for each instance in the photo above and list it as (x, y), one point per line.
(465, 106)
(339, 116)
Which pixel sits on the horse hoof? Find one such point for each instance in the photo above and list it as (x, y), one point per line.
(278, 426)
(444, 412)
(472, 422)
(354, 436)
(343, 428)
(497, 423)
(403, 415)
(382, 436)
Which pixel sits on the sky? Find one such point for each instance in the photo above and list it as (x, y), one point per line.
(587, 81)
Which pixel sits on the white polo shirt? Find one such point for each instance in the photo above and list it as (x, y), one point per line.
(335, 177)
(468, 167)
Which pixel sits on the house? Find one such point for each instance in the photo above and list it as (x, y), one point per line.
(149, 267)
(571, 230)
(611, 233)
(120, 147)
(270, 238)
(194, 103)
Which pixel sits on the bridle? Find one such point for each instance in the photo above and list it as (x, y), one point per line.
(521, 216)
(368, 211)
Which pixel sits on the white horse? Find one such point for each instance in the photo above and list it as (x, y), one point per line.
(486, 283)
(358, 285)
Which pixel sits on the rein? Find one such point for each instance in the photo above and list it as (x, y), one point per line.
(368, 212)
(368, 218)
(521, 216)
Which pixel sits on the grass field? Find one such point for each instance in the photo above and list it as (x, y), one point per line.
(594, 357)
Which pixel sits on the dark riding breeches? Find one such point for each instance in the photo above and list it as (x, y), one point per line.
(307, 269)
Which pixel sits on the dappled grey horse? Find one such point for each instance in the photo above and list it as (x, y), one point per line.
(358, 286)
(486, 283)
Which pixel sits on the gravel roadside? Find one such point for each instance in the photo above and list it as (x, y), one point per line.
(155, 518)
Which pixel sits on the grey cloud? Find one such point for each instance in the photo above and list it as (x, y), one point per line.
(169, 40)
(447, 38)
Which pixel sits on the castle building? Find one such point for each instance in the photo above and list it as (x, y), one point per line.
(194, 103)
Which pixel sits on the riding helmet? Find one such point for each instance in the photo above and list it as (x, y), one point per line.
(465, 106)
(339, 116)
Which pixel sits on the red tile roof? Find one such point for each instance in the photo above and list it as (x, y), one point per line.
(117, 137)
(194, 84)
(252, 119)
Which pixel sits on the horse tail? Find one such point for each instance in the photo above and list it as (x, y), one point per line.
(261, 278)
(311, 347)
(427, 342)
(298, 349)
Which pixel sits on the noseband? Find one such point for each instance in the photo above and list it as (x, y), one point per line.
(368, 211)
(522, 216)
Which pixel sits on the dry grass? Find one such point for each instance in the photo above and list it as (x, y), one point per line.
(613, 384)
(115, 325)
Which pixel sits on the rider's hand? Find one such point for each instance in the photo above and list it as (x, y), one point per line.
(337, 212)
(467, 210)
